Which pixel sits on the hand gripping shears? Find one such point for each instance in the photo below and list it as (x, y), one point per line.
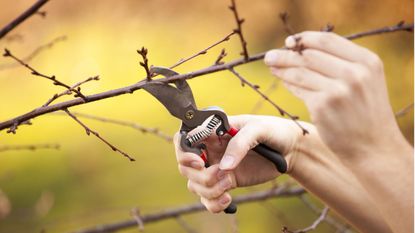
(180, 103)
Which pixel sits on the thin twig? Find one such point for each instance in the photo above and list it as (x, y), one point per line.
(42, 14)
(256, 89)
(135, 213)
(21, 18)
(204, 51)
(76, 86)
(143, 52)
(267, 92)
(401, 26)
(184, 225)
(14, 38)
(29, 147)
(14, 127)
(130, 89)
(284, 16)
(34, 53)
(89, 131)
(328, 28)
(313, 226)
(238, 30)
(143, 129)
(404, 110)
(234, 224)
(52, 78)
(222, 54)
(193, 208)
(340, 227)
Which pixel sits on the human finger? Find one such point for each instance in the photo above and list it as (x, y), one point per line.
(213, 192)
(217, 205)
(206, 177)
(186, 158)
(315, 60)
(303, 78)
(334, 44)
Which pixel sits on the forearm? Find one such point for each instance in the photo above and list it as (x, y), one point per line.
(386, 172)
(321, 173)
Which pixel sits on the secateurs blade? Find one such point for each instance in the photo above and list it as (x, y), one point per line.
(180, 103)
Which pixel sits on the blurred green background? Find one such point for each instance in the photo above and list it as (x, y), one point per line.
(85, 183)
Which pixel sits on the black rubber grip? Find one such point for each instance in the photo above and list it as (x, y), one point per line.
(231, 209)
(273, 156)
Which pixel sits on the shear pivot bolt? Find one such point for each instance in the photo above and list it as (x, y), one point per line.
(189, 115)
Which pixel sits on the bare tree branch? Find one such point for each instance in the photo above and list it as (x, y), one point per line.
(193, 208)
(235, 224)
(14, 38)
(130, 89)
(404, 110)
(204, 51)
(143, 129)
(312, 226)
(256, 89)
(222, 54)
(238, 30)
(401, 26)
(34, 53)
(328, 28)
(76, 86)
(267, 92)
(21, 18)
(52, 78)
(284, 16)
(135, 213)
(89, 131)
(143, 52)
(29, 147)
(185, 225)
(340, 227)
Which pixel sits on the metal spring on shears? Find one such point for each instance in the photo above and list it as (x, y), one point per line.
(203, 134)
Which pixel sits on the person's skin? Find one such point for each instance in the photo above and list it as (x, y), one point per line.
(355, 159)
(318, 170)
(343, 86)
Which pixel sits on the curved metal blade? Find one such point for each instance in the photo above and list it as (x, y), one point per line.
(180, 84)
(176, 101)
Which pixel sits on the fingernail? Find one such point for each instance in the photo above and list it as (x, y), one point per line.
(290, 42)
(270, 58)
(226, 162)
(195, 165)
(224, 200)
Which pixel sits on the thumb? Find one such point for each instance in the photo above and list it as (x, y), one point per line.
(239, 145)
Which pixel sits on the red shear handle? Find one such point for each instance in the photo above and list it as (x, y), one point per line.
(274, 156)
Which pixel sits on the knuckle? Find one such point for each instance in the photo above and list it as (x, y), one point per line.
(357, 81)
(214, 192)
(374, 62)
(337, 95)
(206, 181)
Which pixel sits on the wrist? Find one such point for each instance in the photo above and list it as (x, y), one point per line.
(307, 151)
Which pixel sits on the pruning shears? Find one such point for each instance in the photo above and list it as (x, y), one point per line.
(180, 103)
